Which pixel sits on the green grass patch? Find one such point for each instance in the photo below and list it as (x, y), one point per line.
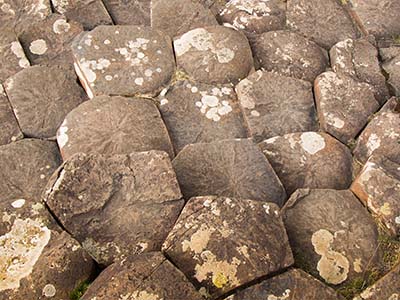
(78, 292)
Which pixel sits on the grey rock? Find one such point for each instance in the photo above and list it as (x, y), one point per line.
(391, 65)
(132, 12)
(9, 130)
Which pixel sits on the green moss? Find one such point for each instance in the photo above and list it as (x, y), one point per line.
(396, 40)
(390, 249)
(78, 292)
(301, 262)
(179, 76)
(357, 285)
(344, 2)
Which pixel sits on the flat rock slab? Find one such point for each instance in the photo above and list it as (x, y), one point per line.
(90, 13)
(254, 17)
(41, 97)
(359, 59)
(9, 130)
(378, 186)
(49, 41)
(276, 105)
(309, 160)
(378, 17)
(25, 167)
(324, 22)
(146, 276)
(121, 11)
(231, 168)
(381, 135)
(251, 232)
(118, 205)
(290, 54)
(123, 60)
(388, 287)
(214, 54)
(294, 284)
(188, 14)
(343, 104)
(201, 113)
(113, 125)
(391, 65)
(332, 233)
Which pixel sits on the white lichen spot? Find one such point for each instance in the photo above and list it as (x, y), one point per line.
(139, 81)
(108, 77)
(38, 47)
(61, 26)
(312, 142)
(62, 137)
(163, 101)
(16, 48)
(194, 89)
(373, 143)
(199, 240)
(285, 295)
(397, 220)
(142, 295)
(255, 113)
(18, 203)
(357, 265)
(107, 42)
(49, 291)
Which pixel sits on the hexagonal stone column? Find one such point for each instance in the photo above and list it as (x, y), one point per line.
(276, 105)
(215, 6)
(41, 97)
(215, 54)
(290, 54)
(309, 160)
(201, 113)
(116, 206)
(294, 284)
(222, 243)
(123, 60)
(145, 276)
(391, 65)
(113, 125)
(25, 167)
(9, 130)
(359, 59)
(332, 233)
(231, 168)
(378, 186)
(344, 104)
(121, 11)
(325, 22)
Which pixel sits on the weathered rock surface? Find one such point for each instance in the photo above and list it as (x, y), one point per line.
(276, 105)
(90, 13)
(324, 22)
(50, 40)
(331, 232)
(294, 284)
(187, 15)
(113, 125)
(9, 130)
(343, 104)
(41, 97)
(251, 232)
(230, 168)
(123, 60)
(116, 206)
(254, 17)
(201, 113)
(121, 11)
(290, 54)
(216, 6)
(25, 167)
(309, 160)
(142, 277)
(391, 65)
(378, 186)
(359, 59)
(215, 54)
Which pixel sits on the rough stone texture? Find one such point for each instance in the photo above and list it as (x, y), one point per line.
(201, 113)
(25, 167)
(276, 105)
(187, 15)
(294, 285)
(378, 186)
(343, 104)
(41, 97)
(332, 233)
(113, 125)
(123, 60)
(388, 287)
(231, 168)
(50, 40)
(12, 56)
(216, 6)
(309, 160)
(116, 206)
(215, 54)
(143, 277)
(290, 54)
(378, 17)
(391, 65)
(132, 12)
(251, 232)
(324, 22)
(382, 135)
(19, 15)
(9, 129)
(254, 17)
(90, 13)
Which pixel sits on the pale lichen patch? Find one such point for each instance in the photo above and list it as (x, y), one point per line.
(49, 291)
(16, 48)
(62, 136)
(312, 142)
(199, 240)
(61, 26)
(38, 47)
(18, 203)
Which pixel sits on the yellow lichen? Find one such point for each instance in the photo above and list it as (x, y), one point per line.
(219, 280)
